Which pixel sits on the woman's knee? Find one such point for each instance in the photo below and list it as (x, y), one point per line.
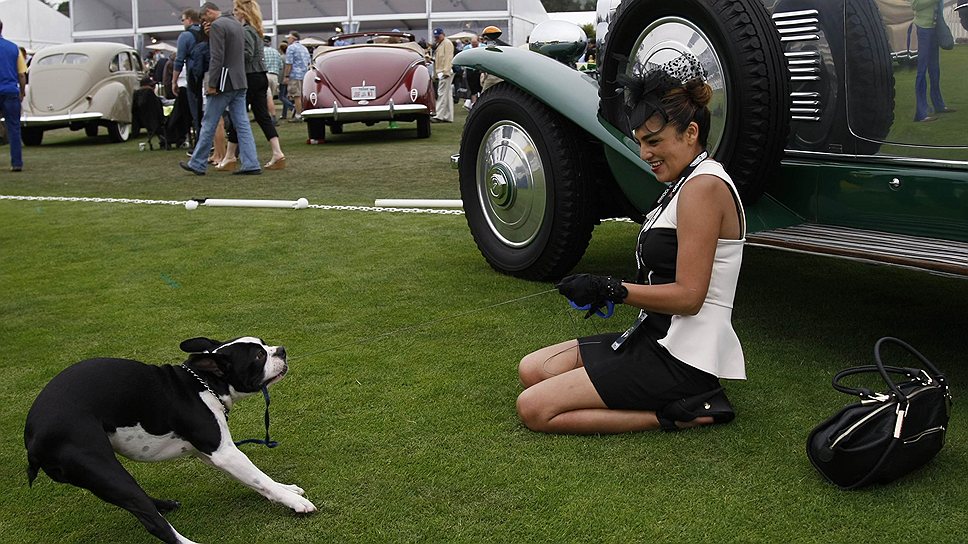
(528, 371)
(530, 411)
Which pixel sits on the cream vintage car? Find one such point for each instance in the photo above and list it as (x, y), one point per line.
(81, 86)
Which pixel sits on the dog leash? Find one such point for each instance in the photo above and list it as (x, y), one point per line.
(424, 324)
(269, 443)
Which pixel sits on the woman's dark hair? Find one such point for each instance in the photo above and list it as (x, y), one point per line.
(676, 92)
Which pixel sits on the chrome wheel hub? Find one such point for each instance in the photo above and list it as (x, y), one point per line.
(669, 37)
(511, 184)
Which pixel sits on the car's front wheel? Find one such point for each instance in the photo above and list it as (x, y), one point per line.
(525, 195)
(119, 131)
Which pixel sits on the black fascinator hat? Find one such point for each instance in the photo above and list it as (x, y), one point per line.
(647, 84)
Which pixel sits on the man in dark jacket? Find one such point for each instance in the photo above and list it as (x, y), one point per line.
(225, 91)
(193, 86)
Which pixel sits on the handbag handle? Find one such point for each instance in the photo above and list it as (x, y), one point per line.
(885, 371)
(863, 391)
(935, 373)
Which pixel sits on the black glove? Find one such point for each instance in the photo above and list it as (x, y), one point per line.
(584, 289)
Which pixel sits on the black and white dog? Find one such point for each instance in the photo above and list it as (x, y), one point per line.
(151, 413)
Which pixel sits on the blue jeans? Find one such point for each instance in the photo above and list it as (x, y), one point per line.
(287, 104)
(10, 107)
(929, 67)
(234, 102)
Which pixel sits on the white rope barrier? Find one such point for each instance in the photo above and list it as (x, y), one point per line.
(183, 202)
(376, 209)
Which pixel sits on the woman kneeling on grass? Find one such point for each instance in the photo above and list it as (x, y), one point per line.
(664, 370)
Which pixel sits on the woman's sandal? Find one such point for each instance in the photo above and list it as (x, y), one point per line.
(275, 164)
(226, 164)
(712, 404)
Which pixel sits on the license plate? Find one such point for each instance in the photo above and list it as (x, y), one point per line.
(364, 93)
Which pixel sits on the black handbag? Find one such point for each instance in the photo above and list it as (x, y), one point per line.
(942, 31)
(885, 435)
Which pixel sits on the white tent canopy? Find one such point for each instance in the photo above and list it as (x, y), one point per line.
(137, 21)
(33, 24)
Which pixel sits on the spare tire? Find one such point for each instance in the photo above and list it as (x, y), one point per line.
(854, 92)
(740, 49)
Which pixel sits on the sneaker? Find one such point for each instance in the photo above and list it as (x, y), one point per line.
(927, 119)
(16, 168)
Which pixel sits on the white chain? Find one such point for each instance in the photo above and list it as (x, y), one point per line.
(182, 203)
(93, 199)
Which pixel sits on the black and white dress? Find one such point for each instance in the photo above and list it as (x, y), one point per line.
(670, 357)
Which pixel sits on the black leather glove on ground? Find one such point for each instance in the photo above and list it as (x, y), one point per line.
(585, 289)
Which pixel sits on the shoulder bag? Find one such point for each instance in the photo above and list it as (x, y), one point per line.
(941, 30)
(885, 435)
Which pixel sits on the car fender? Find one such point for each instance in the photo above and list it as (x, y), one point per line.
(112, 99)
(571, 94)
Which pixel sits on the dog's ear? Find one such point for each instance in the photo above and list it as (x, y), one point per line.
(209, 362)
(199, 345)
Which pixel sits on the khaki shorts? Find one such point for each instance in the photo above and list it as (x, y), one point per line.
(273, 83)
(294, 87)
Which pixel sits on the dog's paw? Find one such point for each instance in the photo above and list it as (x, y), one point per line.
(293, 489)
(165, 506)
(300, 505)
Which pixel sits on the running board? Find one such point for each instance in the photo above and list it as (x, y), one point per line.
(927, 254)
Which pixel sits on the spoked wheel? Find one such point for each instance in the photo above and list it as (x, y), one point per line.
(524, 192)
(740, 49)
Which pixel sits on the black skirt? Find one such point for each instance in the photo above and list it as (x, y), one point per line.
(642, 375)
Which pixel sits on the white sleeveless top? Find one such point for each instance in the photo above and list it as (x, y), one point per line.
(707, 340)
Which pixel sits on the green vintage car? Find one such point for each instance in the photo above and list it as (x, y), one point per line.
(812, 116)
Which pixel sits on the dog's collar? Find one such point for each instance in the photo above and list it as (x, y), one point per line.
(225, 408)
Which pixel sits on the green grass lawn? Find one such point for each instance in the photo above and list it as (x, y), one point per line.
(398, 414)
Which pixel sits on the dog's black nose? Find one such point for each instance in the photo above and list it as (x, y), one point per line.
(281, 352)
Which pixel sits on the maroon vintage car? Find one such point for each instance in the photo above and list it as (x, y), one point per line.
(367, 78)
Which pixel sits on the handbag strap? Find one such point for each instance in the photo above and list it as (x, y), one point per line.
(864, 392)
(934, 372)
(886, 371)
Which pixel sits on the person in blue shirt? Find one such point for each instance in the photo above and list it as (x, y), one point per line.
(297, 63)
(13, 81)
